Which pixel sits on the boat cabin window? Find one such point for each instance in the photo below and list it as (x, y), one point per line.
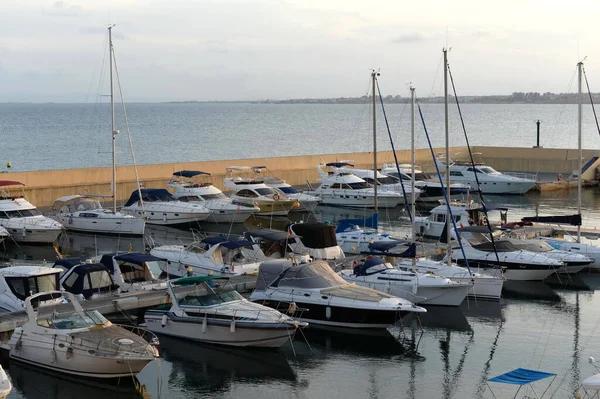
(266, 191)
(71, 280)
(378, 268)
(358, 185)
(487, 169)
(134, 273)
(189, 198)
(455, 173)
(72, 321)
(209, 197)
(336, 186)
(85, 205)
(213, 298)
(247, 194)
(424, 176)
(97, 279)
(19, 214)
(387, 180)
(22, 287)
(439, 217)
(288, 190)
(88, 215)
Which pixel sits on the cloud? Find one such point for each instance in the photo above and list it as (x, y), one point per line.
(62, 9)
(410, 38)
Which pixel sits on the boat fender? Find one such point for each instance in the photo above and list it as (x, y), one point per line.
(328, 312)
(232, 326)
(163, 320)
(204, 322)
(164, 217)
(292, 308)
(276, 197)
(559, 177)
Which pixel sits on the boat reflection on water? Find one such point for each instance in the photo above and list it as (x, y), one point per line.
(516, 289)
(34, 383)
(441, 317)
(90, 245)
(200, 368)
(9, 251)
(483, 311)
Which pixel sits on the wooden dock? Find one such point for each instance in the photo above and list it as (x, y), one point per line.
(127, 302)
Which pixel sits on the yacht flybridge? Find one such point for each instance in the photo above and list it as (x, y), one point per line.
(247, 189)
(347, 189)
(196, 186)
(22, 219)
(86, 214)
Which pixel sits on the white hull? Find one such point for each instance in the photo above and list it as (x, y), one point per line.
(34, 236)
(112, 225)
(449, 295)
(498, 187)
(356, 200)
(528, 275)
(178, 269)
(483, 288)
(243, 334)
(427, 228)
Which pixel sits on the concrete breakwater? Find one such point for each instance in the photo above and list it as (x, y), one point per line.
(43, 187)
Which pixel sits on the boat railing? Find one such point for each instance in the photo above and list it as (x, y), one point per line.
(242, 314)
(523, 175)
(143, 333)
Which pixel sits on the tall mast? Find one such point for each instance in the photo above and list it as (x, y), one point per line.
(375, 182)
(579, 145)
(112, 114)
(412, 162)
(448, 225)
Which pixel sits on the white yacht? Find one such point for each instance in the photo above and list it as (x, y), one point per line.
(384, 182)
(307, 202)
(315, 239)
(4, 234)
(64, 338)
(347, 189)
(197, 186)
(86, 214)
(518, 264)
(431, 190)
(464, 215)
(419, 288)
(22, 219)
(570, 245)
(133, 271)
(357, 235)
(215, 314)
(218, 255)
(490, 180)
(247, 189)
(312, 292)
(19, 282)
(158, 206)
(86, 280)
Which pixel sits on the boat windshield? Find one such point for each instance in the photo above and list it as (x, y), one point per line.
(387, 180)
(488, 170)
(24, 286)
(19, 214)
(72, 321)
(210, 299)
(265, 191)
(358, 185)
(288, 190)
(85, 205)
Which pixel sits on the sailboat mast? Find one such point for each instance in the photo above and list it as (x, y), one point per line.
(448, 223)
(113, 128)
(412, 171)
(579, 145)
(375, 182)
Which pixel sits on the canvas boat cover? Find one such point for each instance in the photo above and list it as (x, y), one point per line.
(370, 222)
(190, 173)
(283, 273)
(521, 376)
(150, 195)
(315, 235)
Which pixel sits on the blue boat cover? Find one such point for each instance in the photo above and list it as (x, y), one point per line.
(379, 248)
(338, 164)
(236, 244)
(138, 258)
(345, 224)
(383, 245)
(214, 240)
(149, 195)
(521, 376)
(67, 262)
(190, 173)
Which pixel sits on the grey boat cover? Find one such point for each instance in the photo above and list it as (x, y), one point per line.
(283, 273)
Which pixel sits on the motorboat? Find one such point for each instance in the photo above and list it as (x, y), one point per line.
(573, 262)
(86, 280)
(5, 385)
(158, 206)
(22, 219)
(384, 182)
(246, 189)
(431, 190)
(67, 339)
(275, 244)
(490, 180)
(19, 282)
(347, 189)
(132, 271)
(216, 254)
(214, 313)
(465, 214)
(316, 239)
(518, 264)
(485, 286)
(307, 202)
(197, 186)
(356, 235)
(419, 288)
(86, 214)
(4, 234)
(313, 292)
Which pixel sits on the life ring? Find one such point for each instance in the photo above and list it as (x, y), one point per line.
(559, 177)
(276, 197)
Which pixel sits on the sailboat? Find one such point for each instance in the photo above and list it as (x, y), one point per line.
(85, 212)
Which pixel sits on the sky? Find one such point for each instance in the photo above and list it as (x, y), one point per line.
(176, 50)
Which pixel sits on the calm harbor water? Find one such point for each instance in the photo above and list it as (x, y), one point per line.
(449, 353)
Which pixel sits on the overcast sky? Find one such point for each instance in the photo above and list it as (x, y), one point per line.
(257, 49)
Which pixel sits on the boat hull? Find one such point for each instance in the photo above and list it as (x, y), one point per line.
(109, 226)
(33, 235)
(443, 295)
(514, 271)
(483, 288)
(223, 216)
(219, 332)
(358, 200)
